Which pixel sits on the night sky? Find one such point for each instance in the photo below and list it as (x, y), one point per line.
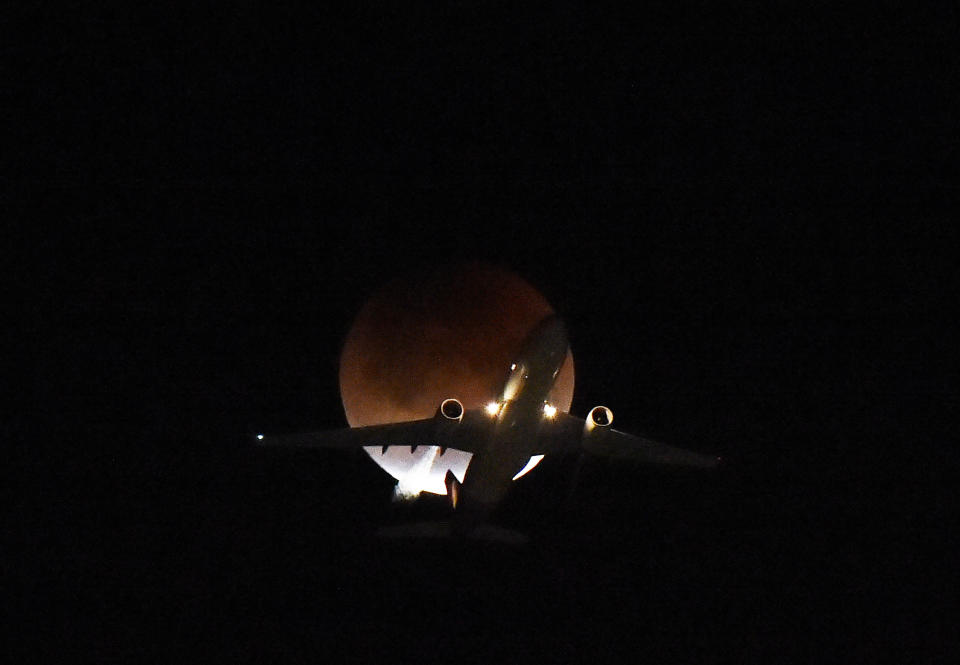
(746, 220)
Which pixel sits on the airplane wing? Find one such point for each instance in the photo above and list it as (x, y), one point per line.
(562, 434)
(468, 435)
(565, 433)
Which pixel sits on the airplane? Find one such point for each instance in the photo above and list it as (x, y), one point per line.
(507, 437)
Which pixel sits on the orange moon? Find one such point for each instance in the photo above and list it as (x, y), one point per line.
(450, 331)
(446, 332)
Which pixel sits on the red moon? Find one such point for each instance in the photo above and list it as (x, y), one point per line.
(445, 332)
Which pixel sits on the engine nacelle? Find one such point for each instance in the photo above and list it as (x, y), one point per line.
(599, 417)
(450, 409)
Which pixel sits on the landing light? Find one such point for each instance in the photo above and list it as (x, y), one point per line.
(493, 408)
(549, 410)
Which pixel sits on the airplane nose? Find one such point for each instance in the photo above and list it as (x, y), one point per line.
(553, 329)
(547, 342)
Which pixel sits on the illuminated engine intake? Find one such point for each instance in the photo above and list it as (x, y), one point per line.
(599, 416)
(451, 409)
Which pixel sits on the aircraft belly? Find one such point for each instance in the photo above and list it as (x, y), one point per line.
(491, 473)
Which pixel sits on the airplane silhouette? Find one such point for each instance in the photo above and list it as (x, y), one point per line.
(508, 437)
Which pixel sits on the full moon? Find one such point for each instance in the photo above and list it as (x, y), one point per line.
(443, 332)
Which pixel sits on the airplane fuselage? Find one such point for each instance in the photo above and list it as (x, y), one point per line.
(521, 408)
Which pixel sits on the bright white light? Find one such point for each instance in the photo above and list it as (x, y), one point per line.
(532, 462)
(493, 408)
(401, 492)
(260, 437)
(423, 470)
(418, 474)
(549, 410)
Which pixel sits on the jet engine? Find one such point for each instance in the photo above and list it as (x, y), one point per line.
(599, 416)
(450, 409)
(449, 414)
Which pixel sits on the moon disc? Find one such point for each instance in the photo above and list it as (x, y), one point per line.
(444, 332)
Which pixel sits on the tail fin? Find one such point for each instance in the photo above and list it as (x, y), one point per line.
(453, 488)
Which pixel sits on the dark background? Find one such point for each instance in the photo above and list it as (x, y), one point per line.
(745, 217)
